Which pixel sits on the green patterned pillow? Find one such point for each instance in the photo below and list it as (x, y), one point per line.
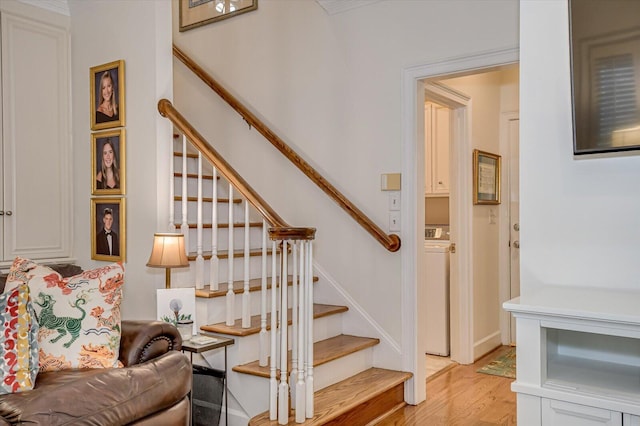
(79, 317)
(19, 341)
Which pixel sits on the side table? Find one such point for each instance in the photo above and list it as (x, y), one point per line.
(219, 342)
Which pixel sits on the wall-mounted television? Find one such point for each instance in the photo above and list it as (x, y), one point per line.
(605, 75)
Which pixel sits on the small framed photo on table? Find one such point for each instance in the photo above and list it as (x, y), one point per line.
(107, 109)
(108, 162)
(486, 177)
(108, 229)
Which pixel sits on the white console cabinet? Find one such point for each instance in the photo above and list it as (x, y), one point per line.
(578, 357)
(35, 143)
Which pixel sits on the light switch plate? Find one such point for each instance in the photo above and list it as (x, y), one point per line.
(394, 200)
(394, 221)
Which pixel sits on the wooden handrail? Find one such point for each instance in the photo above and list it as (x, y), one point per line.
(167, 110)
(391, 241)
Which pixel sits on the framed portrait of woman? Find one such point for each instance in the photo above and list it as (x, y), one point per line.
(108, 230)
(107, 108)
(108, 162)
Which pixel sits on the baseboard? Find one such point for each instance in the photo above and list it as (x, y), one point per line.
(486, 345)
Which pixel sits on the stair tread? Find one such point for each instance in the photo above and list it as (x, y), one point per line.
(238, 287)
(319, 311)
(342, 397)
(323, 351)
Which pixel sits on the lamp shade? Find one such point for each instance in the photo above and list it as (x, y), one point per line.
(168, 251)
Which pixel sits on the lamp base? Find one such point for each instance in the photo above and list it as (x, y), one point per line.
(167, 279)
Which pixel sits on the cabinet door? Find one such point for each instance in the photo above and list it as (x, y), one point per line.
(560, 413)
(35, 136)
(440, 150)
(428, 151)
(630, 420)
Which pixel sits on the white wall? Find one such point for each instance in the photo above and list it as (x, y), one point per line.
(579, 216)
(330, 85)
(138, 32)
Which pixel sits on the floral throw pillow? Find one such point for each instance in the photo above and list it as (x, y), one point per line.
(18, 341)
(78, 317)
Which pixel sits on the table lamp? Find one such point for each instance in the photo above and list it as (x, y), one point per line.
(168, 252)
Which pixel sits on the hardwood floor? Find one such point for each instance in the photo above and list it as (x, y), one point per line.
(462, 397)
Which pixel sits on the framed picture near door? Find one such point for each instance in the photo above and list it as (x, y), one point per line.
(107, 95)
(486, 177)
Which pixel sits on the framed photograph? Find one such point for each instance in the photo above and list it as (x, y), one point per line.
(177, 304)
(107, 108)
(108, 162)
(486, 177)
(194, 13)
(108, 229)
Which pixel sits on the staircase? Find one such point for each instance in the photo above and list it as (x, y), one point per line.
(348, 389)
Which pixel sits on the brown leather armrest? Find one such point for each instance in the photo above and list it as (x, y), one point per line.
(143, 340)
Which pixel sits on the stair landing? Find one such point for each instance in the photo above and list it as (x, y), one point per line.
(358, 400)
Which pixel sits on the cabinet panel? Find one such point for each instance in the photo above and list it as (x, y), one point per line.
(630, 420)
(560, 413)
(35, 139)
(437, 138)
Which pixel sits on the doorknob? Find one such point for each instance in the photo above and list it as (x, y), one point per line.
(516, 227)
(8, 212)
(516, 244)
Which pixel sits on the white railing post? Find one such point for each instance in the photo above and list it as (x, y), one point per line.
(300, 374)
(283, 394)
(309, 336)
(294, 315)
(214, 262)
(184, 227)
(273, 382)
(231, 303)
(199, 258)
(264, 342)
(172, 189)
(246, 294)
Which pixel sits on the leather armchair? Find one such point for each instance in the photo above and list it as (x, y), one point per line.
(151, 389)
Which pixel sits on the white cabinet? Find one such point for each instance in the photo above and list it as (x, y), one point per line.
(437, 138)
(35, 146)
(578, 356)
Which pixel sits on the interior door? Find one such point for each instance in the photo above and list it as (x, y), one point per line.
(514, 215)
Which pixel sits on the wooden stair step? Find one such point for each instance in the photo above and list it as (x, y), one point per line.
(222, 225)
(224, 254)
(208, 199)
(193, 175)
(319, 311)
(359, 400)
(238, 287)
(323, 351)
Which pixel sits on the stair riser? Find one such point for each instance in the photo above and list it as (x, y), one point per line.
(186, 277)
(254, 390)
(247, 348)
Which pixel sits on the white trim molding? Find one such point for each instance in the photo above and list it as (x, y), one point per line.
(56, 6)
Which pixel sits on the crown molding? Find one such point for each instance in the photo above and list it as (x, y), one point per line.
(56, 6)
(337, 6)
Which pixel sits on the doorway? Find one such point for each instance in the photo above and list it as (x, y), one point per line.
(462, 327)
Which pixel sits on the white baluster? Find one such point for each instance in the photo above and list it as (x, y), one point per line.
(273, 382)
(172, 190)
(246, 294)
(184, 227)
(199, 258)
(283, 395)
(214, 262)
(294, 315)
(309, 337)
(231, 303)
(300, 383)
(264, 342)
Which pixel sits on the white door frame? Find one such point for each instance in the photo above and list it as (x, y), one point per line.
(504, 256)
(412, 214)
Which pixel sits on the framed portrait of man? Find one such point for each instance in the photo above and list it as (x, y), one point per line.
(107, 106)
(108, 162)
(108, 229)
